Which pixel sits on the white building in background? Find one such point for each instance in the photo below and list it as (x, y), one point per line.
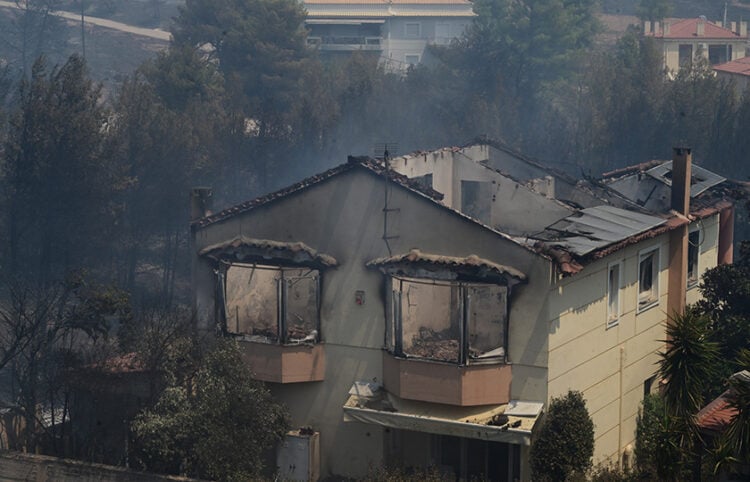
(396, 31)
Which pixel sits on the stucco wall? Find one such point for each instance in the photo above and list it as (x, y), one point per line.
(397, 45)
(343, 217)
(513, 208)
(611, 365)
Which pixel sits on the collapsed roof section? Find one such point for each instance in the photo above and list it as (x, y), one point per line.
(584, 219)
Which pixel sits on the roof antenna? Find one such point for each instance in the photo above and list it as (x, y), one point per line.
(387, 148)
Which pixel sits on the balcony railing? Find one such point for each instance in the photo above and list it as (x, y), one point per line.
(346, 42)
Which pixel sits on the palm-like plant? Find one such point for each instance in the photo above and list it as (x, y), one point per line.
(688, 365)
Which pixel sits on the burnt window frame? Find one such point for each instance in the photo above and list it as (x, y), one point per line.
(281, 300)
(394, 332)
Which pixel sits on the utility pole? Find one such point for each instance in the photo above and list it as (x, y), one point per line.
(83, 33)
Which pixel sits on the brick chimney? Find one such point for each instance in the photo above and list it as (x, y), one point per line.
(678, 237)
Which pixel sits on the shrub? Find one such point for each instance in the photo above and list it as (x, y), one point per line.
(565, 444)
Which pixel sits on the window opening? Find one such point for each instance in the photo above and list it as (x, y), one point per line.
(448, 321)
(613, 295)
(411, 59)
(648, 279)
(693, 254)
(413, 30)
(272, 304)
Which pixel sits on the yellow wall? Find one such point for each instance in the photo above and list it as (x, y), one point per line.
(610, 365)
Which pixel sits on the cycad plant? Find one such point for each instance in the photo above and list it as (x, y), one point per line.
(687, 365)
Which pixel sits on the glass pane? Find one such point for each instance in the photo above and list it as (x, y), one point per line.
(252, 302)
(430, 316)
(613, 289)
(693, 245)
(487, 320)
(301, 305)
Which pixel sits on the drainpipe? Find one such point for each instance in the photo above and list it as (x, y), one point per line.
(678, 238)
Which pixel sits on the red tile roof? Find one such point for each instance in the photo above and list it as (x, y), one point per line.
(717, 414)
(688, 28)
(739, 66)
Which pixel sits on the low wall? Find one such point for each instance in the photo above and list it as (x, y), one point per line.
(16, 466)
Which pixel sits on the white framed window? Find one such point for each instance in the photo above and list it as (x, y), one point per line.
(614, 284)
(694, 243)
(648, 279)
(443, 33)
(411, 59)
(413, 30)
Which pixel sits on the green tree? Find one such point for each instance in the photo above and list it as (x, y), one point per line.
(657, 449)
(167, 136)
(654, 10)
(214, 422)
(56, 180)
(687, 365)
(565, 444)
(725, 301)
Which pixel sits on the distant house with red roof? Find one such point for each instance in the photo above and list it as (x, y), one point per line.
(736, 70)
(684, 40)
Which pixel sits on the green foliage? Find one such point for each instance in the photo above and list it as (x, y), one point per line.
(400, 474)
(654, 10)
(213, 421)
(726, 303)
(54, 175)
(688, 365)
(657, 449)
(565, 444)
(259, 45)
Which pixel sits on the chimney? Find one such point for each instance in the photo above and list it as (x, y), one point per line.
(666, 28)
(656, 29)
(201, 200)
(678, 237)
(647, 27)
(733, 27)
(743, 29)
(700, 28)
(681, 172)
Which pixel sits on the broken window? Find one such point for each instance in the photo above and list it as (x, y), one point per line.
(648, 279)
(692, 261)
(271, 304)
(447, 321)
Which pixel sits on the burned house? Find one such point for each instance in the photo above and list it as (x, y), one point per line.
(422, 310)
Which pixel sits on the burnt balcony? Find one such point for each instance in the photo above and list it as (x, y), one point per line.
(284, 363)
(447, 383)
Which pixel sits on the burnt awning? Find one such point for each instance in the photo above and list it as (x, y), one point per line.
(423, 265)
(248, 250)
(510, 423)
